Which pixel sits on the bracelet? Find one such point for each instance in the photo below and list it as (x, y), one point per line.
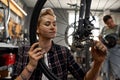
(28, 70)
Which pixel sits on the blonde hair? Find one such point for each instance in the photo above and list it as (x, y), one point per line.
(46, 11)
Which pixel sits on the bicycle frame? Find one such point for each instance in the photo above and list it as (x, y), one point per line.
(83, 31)
(84, 23)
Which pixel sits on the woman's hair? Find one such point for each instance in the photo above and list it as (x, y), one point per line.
(45, 11)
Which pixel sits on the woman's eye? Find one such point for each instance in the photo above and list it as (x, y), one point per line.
(47, 24)
(54, 24)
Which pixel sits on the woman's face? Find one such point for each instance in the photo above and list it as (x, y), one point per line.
(47, 28)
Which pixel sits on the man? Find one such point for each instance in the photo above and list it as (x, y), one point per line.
(111, 65)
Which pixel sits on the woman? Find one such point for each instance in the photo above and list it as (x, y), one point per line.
(58, 58)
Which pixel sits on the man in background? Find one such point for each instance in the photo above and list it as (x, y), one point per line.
(111, 66)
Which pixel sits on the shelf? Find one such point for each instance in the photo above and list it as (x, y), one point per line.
(8, 48)
(15, 8)
(5, 45)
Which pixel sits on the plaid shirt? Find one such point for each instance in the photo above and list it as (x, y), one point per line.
(60, 61)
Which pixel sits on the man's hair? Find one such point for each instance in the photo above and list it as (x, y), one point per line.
(46, 11)
(106, 18)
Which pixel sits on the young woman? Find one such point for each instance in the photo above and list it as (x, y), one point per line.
(58, 58)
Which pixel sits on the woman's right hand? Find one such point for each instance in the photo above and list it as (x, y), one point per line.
(35, 54)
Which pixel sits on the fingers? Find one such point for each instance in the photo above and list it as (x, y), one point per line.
(34, 46)
(40, 53)
(37, 54)
(100, 46)
(35, 49)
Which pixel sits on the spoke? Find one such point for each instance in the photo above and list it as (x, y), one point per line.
(59, 36)
(63, 10)
(60, 33)
(61, 16)
(59, 40)
(62, 23)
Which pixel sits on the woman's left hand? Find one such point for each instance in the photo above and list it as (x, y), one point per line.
(98, 51)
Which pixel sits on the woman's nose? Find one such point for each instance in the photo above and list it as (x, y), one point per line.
(52, 26)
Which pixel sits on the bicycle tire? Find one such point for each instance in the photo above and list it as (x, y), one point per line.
(32, 31)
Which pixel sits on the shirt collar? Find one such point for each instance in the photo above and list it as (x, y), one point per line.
(53, 47)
